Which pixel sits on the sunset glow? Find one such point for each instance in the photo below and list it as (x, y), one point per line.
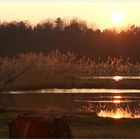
(117, 97)
(117, 78)
(69, 69)
(97, 14)
(116, 101)
(117, 114)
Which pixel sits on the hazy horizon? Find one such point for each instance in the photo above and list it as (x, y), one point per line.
(98, 14)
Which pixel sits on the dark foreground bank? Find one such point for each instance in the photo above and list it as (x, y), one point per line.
(86, 125)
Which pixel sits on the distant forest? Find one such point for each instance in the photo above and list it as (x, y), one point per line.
(75, 36)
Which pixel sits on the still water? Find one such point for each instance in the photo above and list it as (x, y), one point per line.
(114, 103)
(116, 78)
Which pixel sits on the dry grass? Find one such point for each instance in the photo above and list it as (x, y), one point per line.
(57, 69)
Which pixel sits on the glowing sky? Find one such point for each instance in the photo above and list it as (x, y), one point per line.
(96, 13)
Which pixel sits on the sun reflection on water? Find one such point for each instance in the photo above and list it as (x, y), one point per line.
(117, 97)
(116, 101)
(116, 107)
(118, 113)
(118, 78)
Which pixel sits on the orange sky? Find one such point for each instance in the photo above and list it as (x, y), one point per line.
(95, 13)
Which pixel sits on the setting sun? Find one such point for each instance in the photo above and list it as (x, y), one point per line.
(97, 14)
(65, 64)
(117, 17)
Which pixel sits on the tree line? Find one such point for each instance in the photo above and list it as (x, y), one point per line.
(75, 36)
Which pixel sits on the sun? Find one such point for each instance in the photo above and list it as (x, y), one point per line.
(117, 17)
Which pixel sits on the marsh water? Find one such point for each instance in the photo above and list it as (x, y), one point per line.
(112, 102)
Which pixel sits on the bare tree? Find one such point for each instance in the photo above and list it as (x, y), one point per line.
(10, 70)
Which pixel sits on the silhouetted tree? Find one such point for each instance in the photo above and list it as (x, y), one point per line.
(18, 37)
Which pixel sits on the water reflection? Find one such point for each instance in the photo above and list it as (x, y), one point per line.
(118, 78)
(104, 101)
(118, 106)
(113, 77)
(121, 111)
(118, 113)
(116, 101)
(74, 90)
(117, 97)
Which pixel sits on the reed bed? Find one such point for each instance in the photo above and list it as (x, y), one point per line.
(55, 67)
